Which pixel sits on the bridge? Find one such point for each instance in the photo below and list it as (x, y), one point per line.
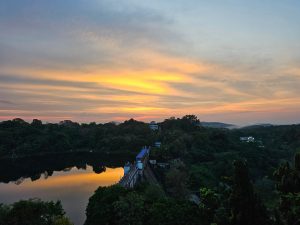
(138, 171)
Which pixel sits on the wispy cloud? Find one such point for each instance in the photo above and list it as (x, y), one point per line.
(111, 60)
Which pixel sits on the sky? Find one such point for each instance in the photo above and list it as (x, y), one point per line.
(233, 61)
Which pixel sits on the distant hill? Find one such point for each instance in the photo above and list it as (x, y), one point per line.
(218, 125)
(258, 125)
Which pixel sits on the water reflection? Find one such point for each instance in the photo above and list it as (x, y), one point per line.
(37, 166)
(70, 180)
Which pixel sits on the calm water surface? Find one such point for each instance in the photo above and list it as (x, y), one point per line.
(72, 186)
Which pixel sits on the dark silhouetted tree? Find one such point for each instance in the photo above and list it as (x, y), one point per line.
(246, 207)
(288, 184)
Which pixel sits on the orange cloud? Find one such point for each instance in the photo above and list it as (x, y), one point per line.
(151, 81)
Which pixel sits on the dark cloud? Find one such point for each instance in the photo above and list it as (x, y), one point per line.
(5, 102)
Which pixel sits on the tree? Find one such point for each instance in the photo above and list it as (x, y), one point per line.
(4, 210)
(130, 210)
(63, 221)
(246, 207)
(288, 185)
(209, 204)
(100, 209)
(171, 212)
(154, 193)
(36, 123)
(191, 119)
(33, 212)
(176, 182)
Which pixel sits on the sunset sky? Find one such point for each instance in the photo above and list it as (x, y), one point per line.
(233, 61)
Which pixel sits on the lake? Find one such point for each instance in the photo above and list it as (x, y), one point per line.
(69, 178)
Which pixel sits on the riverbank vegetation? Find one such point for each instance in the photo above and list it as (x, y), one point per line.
(33, 212)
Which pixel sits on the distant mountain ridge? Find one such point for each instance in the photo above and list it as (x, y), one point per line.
(218, 125)
(258, 125)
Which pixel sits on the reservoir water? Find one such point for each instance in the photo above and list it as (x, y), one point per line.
(70, 179)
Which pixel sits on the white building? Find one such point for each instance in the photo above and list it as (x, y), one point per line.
(153, 125)
(152, 161)
(157, 144)
(247, 139)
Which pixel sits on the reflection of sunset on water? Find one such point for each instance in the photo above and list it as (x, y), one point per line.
(73, 187)
(79, 178)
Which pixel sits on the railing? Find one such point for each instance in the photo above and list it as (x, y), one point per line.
(131, 177)
(127, 178)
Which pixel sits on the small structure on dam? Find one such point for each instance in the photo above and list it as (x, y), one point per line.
(135, 172)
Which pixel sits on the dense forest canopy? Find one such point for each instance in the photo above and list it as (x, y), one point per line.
(208, 152)
(237, 181)
(21, 138)
(238, 204)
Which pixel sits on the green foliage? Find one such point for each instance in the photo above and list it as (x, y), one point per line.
(154, 193)
(176, 182)
(19, 138)
(246, 207)
(209, 204)
(130, 209)
(188, 123)
(171, 212)
(289, 209)
(4, 210)
(116, 206)
(288, 178)
(201, 175)
(100, 209)
(33, 212)
(206, 155)
(288, 185)
(62, 221)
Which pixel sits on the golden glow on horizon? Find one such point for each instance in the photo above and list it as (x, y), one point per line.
(103, 64)
(145, 91)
